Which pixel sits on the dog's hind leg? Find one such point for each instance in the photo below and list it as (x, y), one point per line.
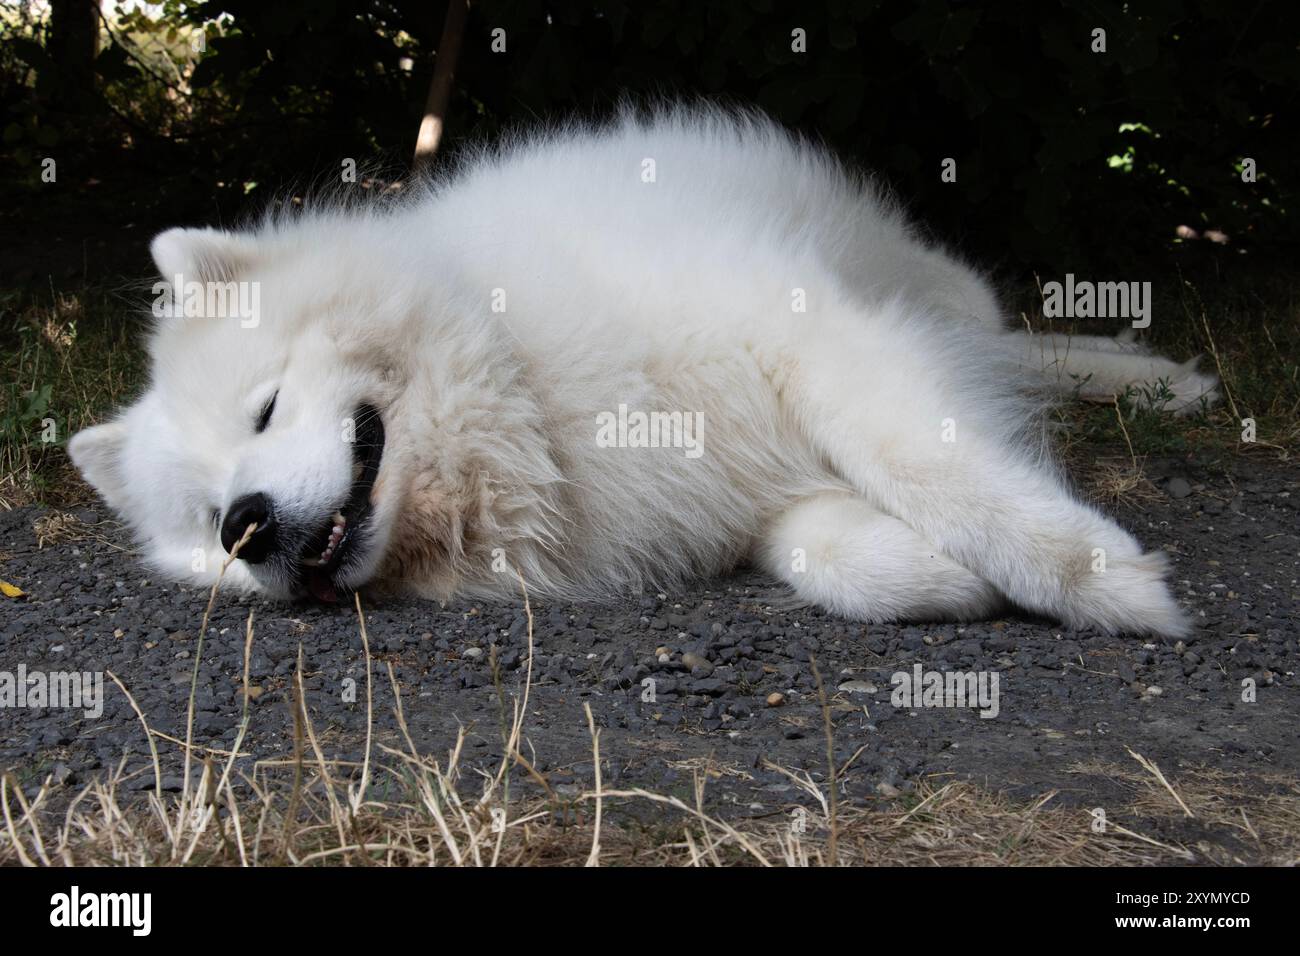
(1098, 369)
(1057, 343)
(837, 551)
(924, 421)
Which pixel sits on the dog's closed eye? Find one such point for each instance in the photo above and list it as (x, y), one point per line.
(264, 417)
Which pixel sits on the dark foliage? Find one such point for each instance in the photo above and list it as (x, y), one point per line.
(1063, 155)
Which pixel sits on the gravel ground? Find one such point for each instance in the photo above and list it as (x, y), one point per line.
(717, 653)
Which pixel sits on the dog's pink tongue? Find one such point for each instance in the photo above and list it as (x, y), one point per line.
(322, 587)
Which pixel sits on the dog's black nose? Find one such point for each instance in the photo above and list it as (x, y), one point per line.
(250, 509)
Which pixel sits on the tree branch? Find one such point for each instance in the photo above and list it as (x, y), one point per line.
(444, 67)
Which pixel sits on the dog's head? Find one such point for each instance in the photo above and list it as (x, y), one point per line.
(266, 412)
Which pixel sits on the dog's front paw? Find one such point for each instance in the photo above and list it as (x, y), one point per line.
(1127, 594)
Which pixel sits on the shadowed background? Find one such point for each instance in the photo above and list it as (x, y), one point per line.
(1122, 165)
(1063, 154)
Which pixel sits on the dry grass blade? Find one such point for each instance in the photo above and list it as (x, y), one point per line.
(14, 839)
(593, 859)
(743, 841)
(833, 846)
(183, 809)
(935, 797)
(804, 781)
(148, 734)
(1152, 769)
(1180, 852)
(357, 796)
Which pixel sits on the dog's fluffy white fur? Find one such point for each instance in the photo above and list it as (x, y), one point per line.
(864, 426)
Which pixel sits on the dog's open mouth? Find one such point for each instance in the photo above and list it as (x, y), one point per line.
(341, 533)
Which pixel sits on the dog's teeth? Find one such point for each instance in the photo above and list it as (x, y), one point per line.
(338, 530)
(339, 520)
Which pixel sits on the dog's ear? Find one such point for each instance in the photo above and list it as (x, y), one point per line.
(97, 452)
(201, 255)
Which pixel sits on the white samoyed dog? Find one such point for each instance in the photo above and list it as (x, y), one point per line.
(613, 358)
